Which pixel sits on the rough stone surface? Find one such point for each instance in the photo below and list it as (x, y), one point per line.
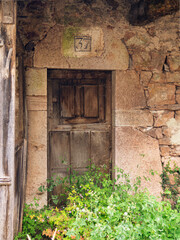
(37, 153)
(158, 77)
(160, 94)
(173, 77)
(174, 62)
(48, 52)
(178, 98)
(148, 60)
(145, 78)
(95, 45)
(129, 94)
(37, 103)
(165, 141)
(137, 154)
(171, 160)
(174, 127)
(165, 151)
(161, 117)
(36, 81)
(133, 118)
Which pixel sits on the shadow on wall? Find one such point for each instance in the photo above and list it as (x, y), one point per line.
(144, 11)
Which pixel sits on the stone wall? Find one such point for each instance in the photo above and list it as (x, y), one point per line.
(144, 60)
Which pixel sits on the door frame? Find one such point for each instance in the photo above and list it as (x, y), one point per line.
(87, 126)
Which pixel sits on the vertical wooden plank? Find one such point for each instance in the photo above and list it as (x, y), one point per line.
(78, 101)
(59, 157)
(59, 150)
(80, 149)
(91, 107)
(82, 101)
(67, 101)
(101, 102)
(100, 149)
(108, 98)
(54, 118)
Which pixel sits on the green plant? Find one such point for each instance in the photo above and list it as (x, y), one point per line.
(101, 208)
(34, 221)
(171, 183)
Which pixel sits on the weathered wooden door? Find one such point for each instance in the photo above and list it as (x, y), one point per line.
(79, 120)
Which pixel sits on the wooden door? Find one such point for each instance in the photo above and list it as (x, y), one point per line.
(79, 120)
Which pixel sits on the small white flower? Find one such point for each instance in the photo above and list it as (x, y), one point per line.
(125, 214)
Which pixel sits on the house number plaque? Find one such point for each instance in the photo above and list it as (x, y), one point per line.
(82, 44)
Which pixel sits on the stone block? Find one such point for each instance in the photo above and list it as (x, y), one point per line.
(166, 131)
(37, 155)
(138, 153)
(175, 151)
(36, 173)
(145, 77)
(173, 77)
(174, 62)
(177, 90)
(162, 117)
(129, 93)
(165, 141)
(36, 81)
(174, 127)
(160, 94)
(158, 77)
(165, 151)
(36, 103)
(178, 98)
(177, 117)
(37, 127)
(145, 60)
(82, 42)
(151, 131)
(158, 132)
(57, 50)
(133, 118)
(137, 40)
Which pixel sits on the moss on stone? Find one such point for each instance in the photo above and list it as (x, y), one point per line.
(68, 39)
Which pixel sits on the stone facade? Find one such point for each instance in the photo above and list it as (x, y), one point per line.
(145, 65)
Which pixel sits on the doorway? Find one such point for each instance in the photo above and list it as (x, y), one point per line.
(79, 120)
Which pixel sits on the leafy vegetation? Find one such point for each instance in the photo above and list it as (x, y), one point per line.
(99, 208)
(171, 183)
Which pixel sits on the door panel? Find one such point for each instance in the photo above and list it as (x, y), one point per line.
(59, 150)
(67, 109)
(91, 101)
(80, 149)
(79, 121)
(100, 148)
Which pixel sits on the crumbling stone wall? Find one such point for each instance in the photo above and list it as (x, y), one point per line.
(145, 62)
